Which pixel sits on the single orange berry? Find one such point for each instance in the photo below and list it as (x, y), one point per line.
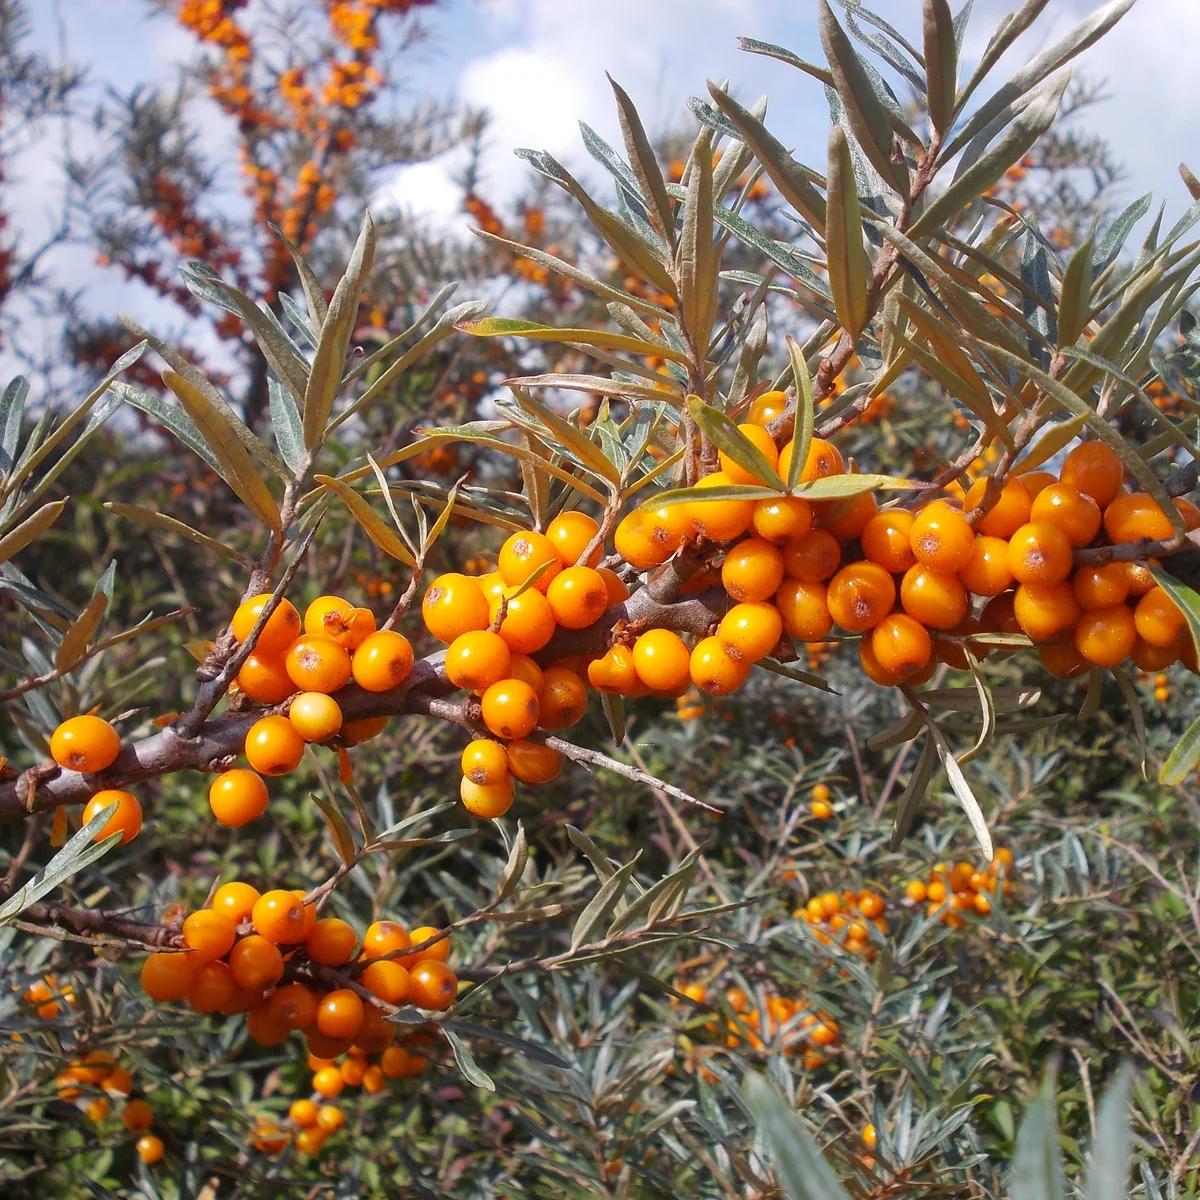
(1154, 658)
(317, 664)
(752, 570)
(1009, 512)
(303, 1113)
(526, 669)
(383, 938)
(1106, 636)
(137, 1115)
(212, 988)
(454, 604)
(237, 797)
(532, 762)
(563, 699)
(988, 572)
(309, 1141)
(510, 708)
(714, 669)
(1035, 481)
(487, 800)
(886, 539)
(167, 977)
(941, 538)
(1040, 554)
(877, 672)
(752, 631)
(617, 591)
(281, 629)
(1135, 516)
(528, 621)
(860, 595)
(328, 1082)
(813, 558)
(824, 459)
(1062, 659)
(279, 916)
(331, 1118)
(523, 553)
(614, 671)
(804, 610)
(1100, 587)
(273, 747)
(386, 979)
(382, 662)
(339, 620)
(315, 716)
(439, 950)
(235, 900)
(150, 1149)
(847, 518)
(935, 598)
(434, 985)
(1158, 618)
(1095, 470)
(340, 1013)
(660, 659)
(1043, 611)
(641, 545)
(578, 597)
(126, 818)
(901, 645)
(1073, 512)
(720, 520)
(209, 934)
(767, 408)
(86, 744)
(764, 443)
(265, 679)
(571, 533)
(783, 520)
(256, 962)
(484, 762)
(330, 942)
(477, 659)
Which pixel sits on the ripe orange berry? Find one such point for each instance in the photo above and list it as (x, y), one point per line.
(235, 900)
(941, 538)
(714, 669)
(1045, 610)
(1100, 587)
(614, 671)
(1035, 481)
(273, 747)
(328, 1082)
(752, 631)
(1189, 512)
(660, 659)
(484, 762)
(265, 679)
(1062, 659)
(1158, 618)
(256, 962)
(901, 645)
(209, 934)
(317, 664)
(315, 716)
(137, 1115)
(477, 659)
(330, 942)
(386, 979)
(822, 810)
(330, 1119)
(237, 797)
(887, 540)
(1007, 515)
(340, 1013)
(383, 938)
(1106, 636)
(126, 818)
(532, 762)
(563, 699)
(303, 1113)
(636, 542)
(1141, 578)
(439, 950)
(1134, 516)
(454, 604)
(813, 558)
(526, 669)
(86, 744)
(528, 621)
(339, 620)
(1039, 553)
(571, 533)
(766, 408)
(578, 597)
(487, 800)
(1095, 470)
(1073, 512)
(167, 977)
(434, 985)
(281, 629)
(522, 553)
(720, 520)
(150, 1149)
(510, 708)
(874, 670)
(763, 442)
(988, 572)
(617, 591)
(1153, 658)
(279, 916)
(804, 610)
(860, 595)
(937, 599)
(846, 519)
(824, 459)
(309, 1141)
(752, 570)
(782, 520)
(383, 661)
(212, 988)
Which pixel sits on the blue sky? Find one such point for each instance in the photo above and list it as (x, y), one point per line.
(538, 66)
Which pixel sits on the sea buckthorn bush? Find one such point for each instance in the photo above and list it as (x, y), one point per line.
(752, 756)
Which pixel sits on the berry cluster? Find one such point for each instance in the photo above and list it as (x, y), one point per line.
(954, 892)
(845, 919)
(88, 744)
(96, 1078)
(47, 997)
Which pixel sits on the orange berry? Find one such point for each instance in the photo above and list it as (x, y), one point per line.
(951, 648)
(766, 408)
(1141, 578)
(763, 442)
(782, 520)
(1062, 660)
(901, 645)
(477, 659)
(303, 1113)
(137, 1115)
(328, 1082)
(487, 800)
(279, 917)
(639, 545)
(454, 604)
(1073, 512)
(294, 1006)
(1095, 470)
(331, 1118)
(310, 1141)
(578, 597)
(1189, 512)
(1135, 516)
(167, 977)
(886, 539)
(937, 599)
(86, 744)
(330, 942)
(315, 716)
(714, 669)
(386, 979)
(439, 950)
(1035, 481)
(752, 570)
(523, 553)
(265, 679)
(847, 518)
(338, 620)
(1158, 618)
(323, 1050)
(209, 934)
(720, 520)
(1039, 554)
(126, 818)
(340, 1013)
(860, 595)
(236, 900)
(988, 572)
(571, 533)
(526, 669)
(1106, 636)
(824, 459)
(874, 669)
(396, 1062)
(384, 938)
(617, 591)
(870, 905)
(822, 810)
(528, 621)
(264, 1026)
(532, 762)
(273, 747)
(510, 708)
(237, 797)
(804, 610)
(1153, 658)
(1045, 610)
(660, 659)
(484, 762)
(150, 1149)
(382, 662)
(281, 629)
(614, 671)
(434, 985)
(813, 558)
(563, 699)
(752, 631)
(1100, 587)
(941, 538)
(1007, 515)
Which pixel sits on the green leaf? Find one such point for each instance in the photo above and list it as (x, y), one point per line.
(147, 516)
(962, 790)
(572, 440)
(598, 910)
(238, 468)
(644, 163)
(730, 440)
(1074, 307)
(30, 529)
(470, 1069)
(734, 491)
(1184, 757)
(608, 339)
(75, 641)
(514, 868)
(1010, 28)
(696, 260)
(802, 1173)
(12, 410)
(372, 523)
(840, 487)
(914, 792)
(848, 264)
(1051, 442)
(314, 294)
(941, 63)
(754, 46)
(286, 425)
(806, 417)
(329, 361)
(1112, 1151)
(1037, 1172)
(613, 708)
(339, 830)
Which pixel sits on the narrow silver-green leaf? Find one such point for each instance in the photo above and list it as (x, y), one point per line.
(596, 913)
(1112, 1151)
(941, 63)
(30, 529)
(1037, 1172)
(645, 165)
(1074, 307)
(806, 416)
(848, 264)
(695, 256)
(373, 524)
